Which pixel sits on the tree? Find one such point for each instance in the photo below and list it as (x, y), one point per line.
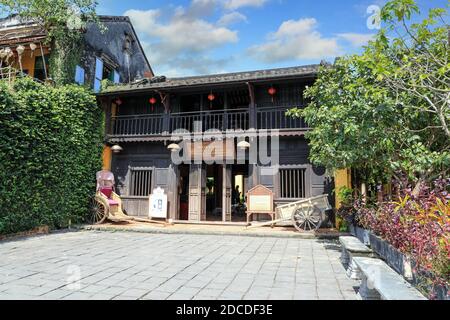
(64, 21)
(386, 112)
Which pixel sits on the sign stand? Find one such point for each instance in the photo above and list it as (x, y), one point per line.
(158, 204)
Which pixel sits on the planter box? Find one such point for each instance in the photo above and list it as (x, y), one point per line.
(404, 266)
(361, 234)
(394, 258)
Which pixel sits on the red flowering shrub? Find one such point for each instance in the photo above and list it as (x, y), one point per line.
(418, 226)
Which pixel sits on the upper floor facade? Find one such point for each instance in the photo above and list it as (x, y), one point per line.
(156, 109)
(110, 51)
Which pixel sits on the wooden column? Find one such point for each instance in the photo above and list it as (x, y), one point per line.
(253, 167)
(252, 106)
(165, 99)
(172, 192)
(226, 192)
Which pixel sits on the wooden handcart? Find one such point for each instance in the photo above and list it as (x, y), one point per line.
(305, 215)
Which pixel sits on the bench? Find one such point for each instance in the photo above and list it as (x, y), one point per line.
(352, 247)
(379, 281)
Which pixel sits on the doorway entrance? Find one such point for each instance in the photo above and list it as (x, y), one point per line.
(240, 184)
(214, 178)
(183, 192)
(212, 193)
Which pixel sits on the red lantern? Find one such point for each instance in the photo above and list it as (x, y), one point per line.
(118, 101)
(272, 91)
(152, 102)
(211, 98)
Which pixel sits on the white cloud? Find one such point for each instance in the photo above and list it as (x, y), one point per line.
(231, 18)
(182, 37)
(296, 39)
(236, 4)
(356, 39)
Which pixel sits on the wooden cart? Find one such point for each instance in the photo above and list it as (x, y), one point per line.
(305, 215)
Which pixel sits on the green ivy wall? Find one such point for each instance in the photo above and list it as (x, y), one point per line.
(50, 149)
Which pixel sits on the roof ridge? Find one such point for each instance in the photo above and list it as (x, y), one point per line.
(244, 72)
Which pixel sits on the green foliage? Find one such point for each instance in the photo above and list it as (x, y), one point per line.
(385, 112)
(345, 195)
(64, 21)
(50, 149)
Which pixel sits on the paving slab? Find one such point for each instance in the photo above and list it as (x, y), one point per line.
(99, 265)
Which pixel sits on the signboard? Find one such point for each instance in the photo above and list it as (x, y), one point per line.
(211, 150)
(260, 200)
(158, 204)
(260, 203)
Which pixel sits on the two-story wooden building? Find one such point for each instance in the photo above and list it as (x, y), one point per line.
(111, 50)
(143, 124)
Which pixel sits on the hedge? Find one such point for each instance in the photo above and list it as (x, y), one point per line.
(50, 149)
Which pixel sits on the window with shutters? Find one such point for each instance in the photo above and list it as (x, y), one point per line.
(140, 182)
(292, 183)
(79, 75)
(98, 75)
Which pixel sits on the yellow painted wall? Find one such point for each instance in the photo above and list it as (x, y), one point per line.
(107, 153)
(342, 178)
(29, 58)
(107, 157)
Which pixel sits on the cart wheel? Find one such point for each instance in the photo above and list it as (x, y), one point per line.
(97, 212)
(307, 218)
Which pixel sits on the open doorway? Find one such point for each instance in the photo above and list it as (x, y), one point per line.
(183, 192)
(214, 193)
(240, 183)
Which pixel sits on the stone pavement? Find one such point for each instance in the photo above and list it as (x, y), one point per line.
(115, 265)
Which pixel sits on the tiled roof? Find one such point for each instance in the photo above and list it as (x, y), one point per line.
(15, 31)
(160, 83)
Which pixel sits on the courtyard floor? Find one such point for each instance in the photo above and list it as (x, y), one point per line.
(98, 265)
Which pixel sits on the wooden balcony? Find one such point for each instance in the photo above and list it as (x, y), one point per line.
(240, 120)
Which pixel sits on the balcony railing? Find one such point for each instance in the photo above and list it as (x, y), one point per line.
(222, 120)
(275, 118)
(237, 119)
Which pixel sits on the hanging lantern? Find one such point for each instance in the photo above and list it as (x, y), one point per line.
(20, 50)
(118, 101)
(152, 102)
(272, 91)
(33, 47)
(211, 98)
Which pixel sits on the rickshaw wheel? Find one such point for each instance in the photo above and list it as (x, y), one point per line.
(97, 212)
(307, 218)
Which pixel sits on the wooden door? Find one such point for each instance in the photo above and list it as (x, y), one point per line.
(197, 193)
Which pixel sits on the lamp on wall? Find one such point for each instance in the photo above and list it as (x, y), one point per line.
(116, 149)
(243, 145)
(174, 147)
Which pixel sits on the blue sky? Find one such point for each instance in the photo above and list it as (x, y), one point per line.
(190, 37)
